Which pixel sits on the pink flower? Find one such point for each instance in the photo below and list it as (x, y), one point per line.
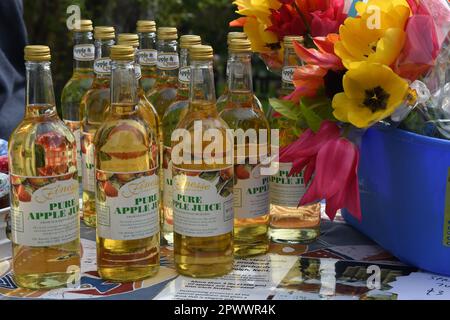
(331, 163)
(421, 46)
(328, 21)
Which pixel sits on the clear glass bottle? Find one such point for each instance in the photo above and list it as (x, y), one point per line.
(172, 117)
(147, 110)
(251, 187)
(202, 186)
(147, 53)
(94, 106)
(127, 182)
(164, 91)
(44, 186)
(222, 100)
(79, 83)
(289, 223)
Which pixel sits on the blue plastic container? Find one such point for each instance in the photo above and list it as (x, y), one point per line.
(403, 180)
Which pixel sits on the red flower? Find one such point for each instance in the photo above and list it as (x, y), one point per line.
(333, 161)
(286, 21)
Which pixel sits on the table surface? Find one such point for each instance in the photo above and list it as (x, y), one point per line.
(341, 264)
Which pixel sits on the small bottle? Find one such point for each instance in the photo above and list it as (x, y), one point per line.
(127, 183)
(147, 53)
(222, 101)
(164, 91)
(288, 222)
(94, 106)
(172, 117)
(79, 83)
(44, 186)
(147, 110)
(251, 187)
(202, 186)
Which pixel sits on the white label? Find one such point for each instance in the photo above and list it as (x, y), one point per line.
(184, 75)
(102, 66)
(74, 126)
(84, 52)
(88, 163)
(287, 74)
(168, 61)
(284, 190)
(203, 202)
(137, 71)
(127, 205)
(44, 210)
(148, 57)
(251, 192)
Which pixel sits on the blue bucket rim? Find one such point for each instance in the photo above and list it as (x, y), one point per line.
(411, 136)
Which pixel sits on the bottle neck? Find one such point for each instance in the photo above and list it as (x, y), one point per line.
(291, 61)
(39, 89)
(147, 53)
(202, 94)
(124, 87)
(168, 61)
(184, 74)
(83, 51)
(240, 80)
(102, 63)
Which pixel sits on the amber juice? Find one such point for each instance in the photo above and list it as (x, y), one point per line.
(251, 187)
(288, 222)
(202, 192)
(127, 183)
(94, 106)
(44, 188)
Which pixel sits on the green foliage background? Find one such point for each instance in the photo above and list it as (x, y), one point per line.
(46, 24)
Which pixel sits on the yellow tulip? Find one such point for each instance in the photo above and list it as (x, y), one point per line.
(372, 92)
(257, 14)
(376, 36)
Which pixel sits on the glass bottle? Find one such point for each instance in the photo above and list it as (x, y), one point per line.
(289, 223)
(222, 100)
(44, 186)
(172, 117)
(147, 53)
(147, 110)
(164, 91)
(251, 186)
(203, 183)
(94, 106)
(79, 83)
(127, 183)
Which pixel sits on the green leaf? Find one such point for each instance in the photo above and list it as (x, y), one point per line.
(321, 106)
(286, 108)
(104, 156)
(311, 118)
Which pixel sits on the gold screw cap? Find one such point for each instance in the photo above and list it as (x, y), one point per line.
(85, 26)
(201, 52)
(146, 26)
(235, 35)
(289, 41)
(128, 39)
(189, 40)
(104, 33)
(122, 53)
(37, 53)
(167, 33)
(240, 45)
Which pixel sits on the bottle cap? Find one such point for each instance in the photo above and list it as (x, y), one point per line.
(189, 40)
(146, 26)
(240, 45)
(288, 41)
(122, 53)
(167, 33)
(201, 52)
(235, 35)
(85, 26)
(128, 39)
(37, 53)
(104, 33)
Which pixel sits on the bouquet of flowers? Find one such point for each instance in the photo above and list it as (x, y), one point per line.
(358, 70)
